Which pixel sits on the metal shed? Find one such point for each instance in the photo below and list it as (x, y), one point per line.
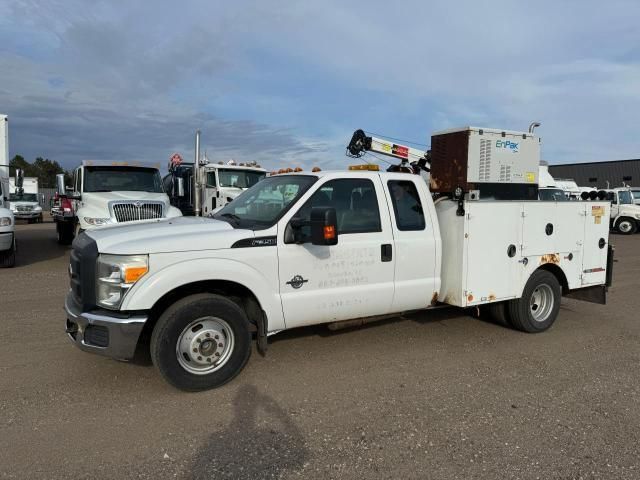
(606, 174)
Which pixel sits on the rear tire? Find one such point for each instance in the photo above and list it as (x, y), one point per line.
(499, 312)
(183, 348)
(8, 258)
(626, 226)
(539, 305)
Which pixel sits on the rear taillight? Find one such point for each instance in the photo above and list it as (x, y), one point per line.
(66, 205)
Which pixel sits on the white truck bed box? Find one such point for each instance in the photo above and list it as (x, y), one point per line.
(477, 268)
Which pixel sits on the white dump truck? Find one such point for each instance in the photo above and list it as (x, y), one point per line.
(7, 221)
(24, 199)
(341, 248)
(110, 193)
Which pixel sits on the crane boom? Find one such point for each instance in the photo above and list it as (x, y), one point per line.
(361, 143)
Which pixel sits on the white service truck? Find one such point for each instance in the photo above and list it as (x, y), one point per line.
(24, 199)
(7, 221)
(342, 248)
(111, 193)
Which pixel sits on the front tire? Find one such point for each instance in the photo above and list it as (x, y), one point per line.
(627, 226)
(8, 258)
(539, 305)
(201, 342)
(65, 233)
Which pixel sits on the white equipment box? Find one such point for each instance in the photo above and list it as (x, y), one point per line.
(500, 164)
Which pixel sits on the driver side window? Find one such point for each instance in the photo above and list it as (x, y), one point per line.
(356, 205)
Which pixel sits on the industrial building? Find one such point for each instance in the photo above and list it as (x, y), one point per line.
(607, 174)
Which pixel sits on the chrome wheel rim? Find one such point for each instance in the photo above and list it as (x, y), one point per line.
(205, 345)
(625, 226)
(541, 303)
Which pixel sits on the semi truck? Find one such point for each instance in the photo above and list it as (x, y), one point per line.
(109, 193)
(201, 187)
(7, 220)
(24, 199)
(340, 248)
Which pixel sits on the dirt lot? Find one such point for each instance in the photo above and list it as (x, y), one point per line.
(439, 395)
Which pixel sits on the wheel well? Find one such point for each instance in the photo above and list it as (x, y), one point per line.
(233, 291)
(619, 219)
(559, 274)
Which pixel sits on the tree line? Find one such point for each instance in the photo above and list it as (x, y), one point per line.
(42, 168)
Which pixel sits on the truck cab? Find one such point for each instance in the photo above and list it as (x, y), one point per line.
(105, 194)
(25, 201)
(625, 214)
(220, 183)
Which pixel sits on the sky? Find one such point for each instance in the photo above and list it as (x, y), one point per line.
(286, 83)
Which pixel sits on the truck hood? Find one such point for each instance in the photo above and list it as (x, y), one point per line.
(179, 234)
(23, 203)
(629, 209)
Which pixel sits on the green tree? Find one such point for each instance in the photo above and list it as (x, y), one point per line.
(42, 168)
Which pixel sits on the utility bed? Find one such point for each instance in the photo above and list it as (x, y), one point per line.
(489, 253)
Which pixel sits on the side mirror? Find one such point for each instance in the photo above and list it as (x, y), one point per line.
(60, 184)
(179, 187)
(42, 198)
(324, 226)
(19, 181)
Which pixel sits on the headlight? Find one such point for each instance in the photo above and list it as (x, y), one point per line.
(97, 221)
(5, 221)
(116, 275)
(37, 208)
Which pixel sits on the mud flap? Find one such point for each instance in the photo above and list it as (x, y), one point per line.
(595, 294)
(261, 334)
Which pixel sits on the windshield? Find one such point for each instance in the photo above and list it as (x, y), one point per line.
(117, 179)
(25, 197)
(624, 197)
(552, 194)
(263, 204)
(235, 178)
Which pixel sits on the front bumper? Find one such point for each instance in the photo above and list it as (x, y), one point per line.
(111, 334)
(6, 241)
(26, 215)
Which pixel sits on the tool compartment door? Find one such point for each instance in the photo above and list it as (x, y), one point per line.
(493, 233)
(596, 241)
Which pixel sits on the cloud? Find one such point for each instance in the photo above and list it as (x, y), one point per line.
(289, 83)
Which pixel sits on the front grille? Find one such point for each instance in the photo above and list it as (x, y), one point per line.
(131, 211)
(82, 271)
(24, 208)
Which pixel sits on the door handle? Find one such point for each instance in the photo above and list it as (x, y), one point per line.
(386, 252)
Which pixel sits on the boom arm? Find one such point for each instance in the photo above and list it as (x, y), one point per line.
(361, 143)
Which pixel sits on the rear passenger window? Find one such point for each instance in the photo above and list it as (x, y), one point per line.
(406, 205)
(355, 201)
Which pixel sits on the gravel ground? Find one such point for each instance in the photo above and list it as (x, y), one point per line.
(437, 395)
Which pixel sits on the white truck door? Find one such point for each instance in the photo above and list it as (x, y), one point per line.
(415, 233)
(352, 279)
(596, 242)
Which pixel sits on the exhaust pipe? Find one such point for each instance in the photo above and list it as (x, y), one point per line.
(533, 126)
(196, 183)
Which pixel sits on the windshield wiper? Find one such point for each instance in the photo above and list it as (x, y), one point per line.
(232, 216)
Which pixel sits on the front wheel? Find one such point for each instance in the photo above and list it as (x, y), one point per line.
(539, 305)
(626, 226)
(8, 258)
(201, 342)
(65, 232)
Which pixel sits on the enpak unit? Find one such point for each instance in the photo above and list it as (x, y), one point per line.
(485, 163)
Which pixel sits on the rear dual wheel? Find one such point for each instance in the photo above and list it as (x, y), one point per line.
(536, 310)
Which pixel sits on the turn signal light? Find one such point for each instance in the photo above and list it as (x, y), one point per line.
(133, 274)
(329, 232)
